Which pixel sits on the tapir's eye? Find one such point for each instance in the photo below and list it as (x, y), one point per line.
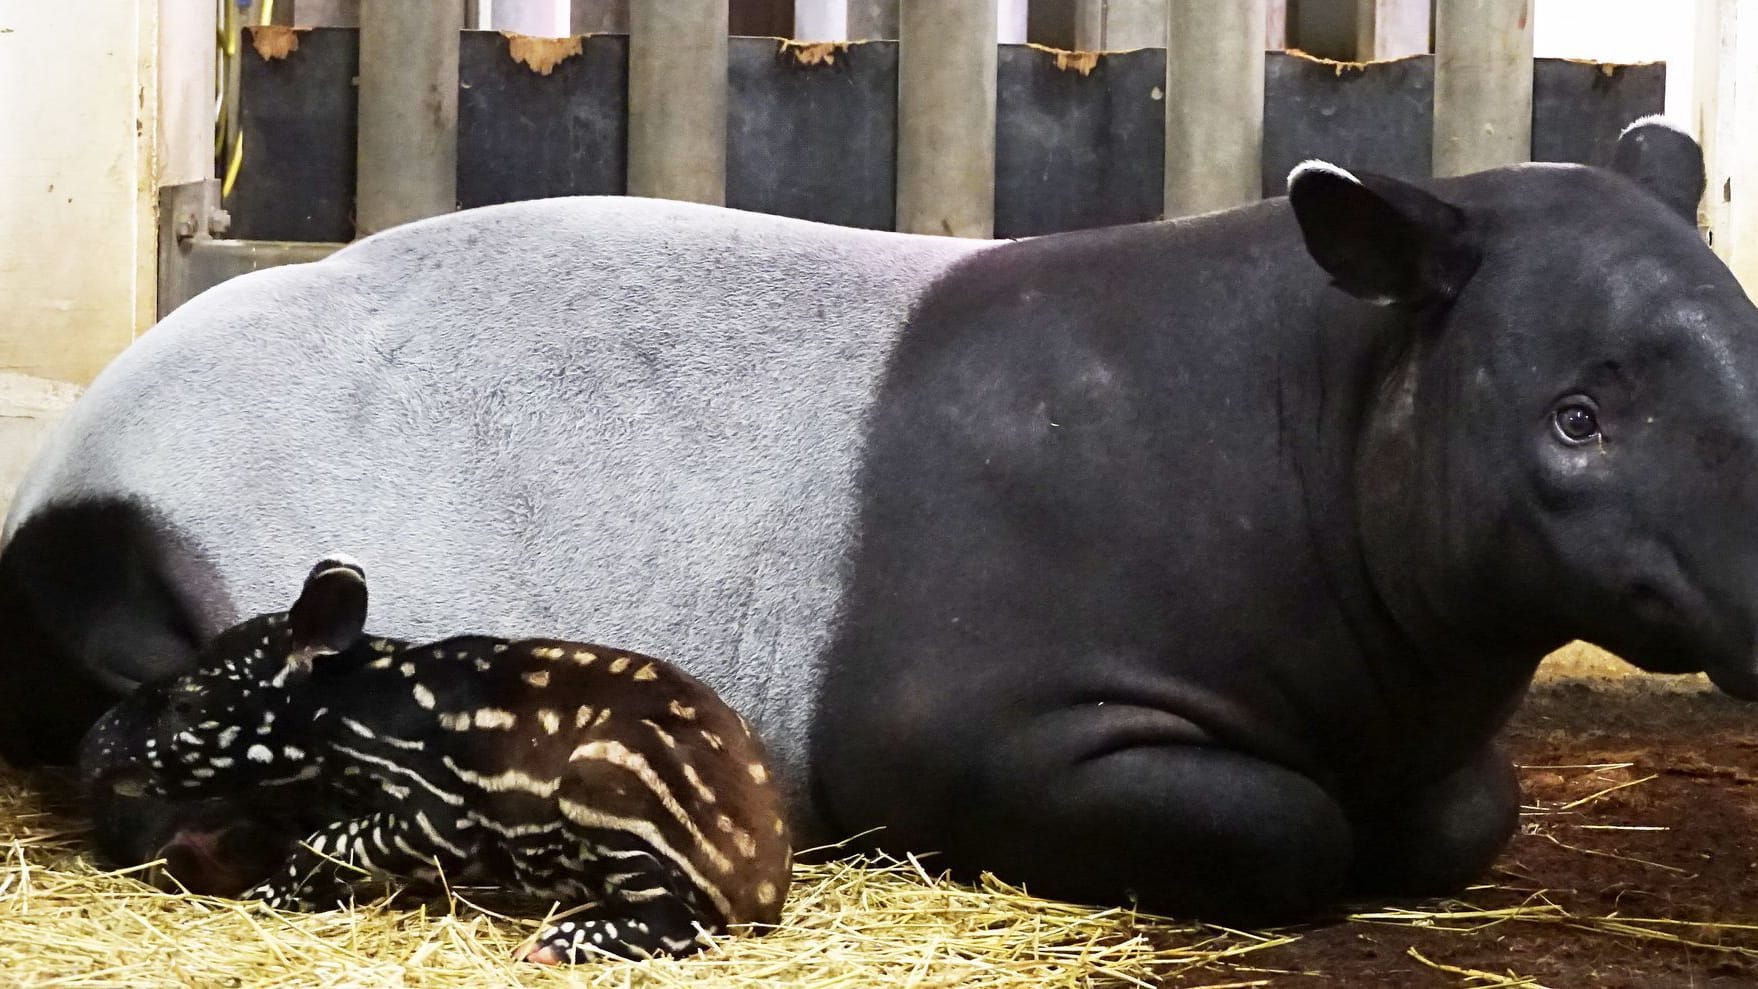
(183, 707)
(1576, 421)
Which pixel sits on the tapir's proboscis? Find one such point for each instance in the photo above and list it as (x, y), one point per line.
(1194, 562)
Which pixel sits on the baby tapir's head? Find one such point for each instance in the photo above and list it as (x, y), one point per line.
(242, 719)
(220, 846)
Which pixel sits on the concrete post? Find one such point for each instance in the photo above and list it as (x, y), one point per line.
(946, 117)
(1482, 84)
(1214, 104)
(677, 99)
(407, 157)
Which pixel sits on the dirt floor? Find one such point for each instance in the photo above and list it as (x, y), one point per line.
(1636, 864)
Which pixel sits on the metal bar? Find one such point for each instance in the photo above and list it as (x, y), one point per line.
(191, 262)
(946, 117)
(407, 149)
(1482, 84)
(1214, 104)
(677, 99)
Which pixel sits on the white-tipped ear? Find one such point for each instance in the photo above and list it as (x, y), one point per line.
(1312, 165)
(330, 613)
(1380, 239)
(337, 561)
(1655, 120)
(1663, 158)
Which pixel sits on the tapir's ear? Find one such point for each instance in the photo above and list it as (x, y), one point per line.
(1380, 239)
(1665, 160)
(330, 613)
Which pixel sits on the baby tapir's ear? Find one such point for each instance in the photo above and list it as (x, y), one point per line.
(331, 611)
(1380, 239)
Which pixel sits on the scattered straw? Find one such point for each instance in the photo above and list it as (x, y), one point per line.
(1479, 978)
(852, 922)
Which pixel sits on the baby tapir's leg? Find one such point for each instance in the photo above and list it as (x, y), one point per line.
(647, 906)
(320, 874)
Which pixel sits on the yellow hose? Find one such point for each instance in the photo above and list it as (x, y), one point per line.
(232, 166)
(230, 36)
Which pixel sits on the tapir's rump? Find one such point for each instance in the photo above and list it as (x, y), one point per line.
(616, 419)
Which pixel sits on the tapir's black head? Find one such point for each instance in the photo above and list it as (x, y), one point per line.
(1565, 439)
(243, 718)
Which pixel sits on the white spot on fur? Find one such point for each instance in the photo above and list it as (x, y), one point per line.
(259, 753)
(423, 696)
(493, 718)
(551, 721)
(537, 678)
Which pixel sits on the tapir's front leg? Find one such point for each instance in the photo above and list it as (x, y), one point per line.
(1101, 803)
(1438, 839)
(320, 874)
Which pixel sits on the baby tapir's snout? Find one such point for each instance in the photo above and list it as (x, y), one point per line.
(212, 846)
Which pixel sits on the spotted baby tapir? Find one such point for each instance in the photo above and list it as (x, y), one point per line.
(567, 770)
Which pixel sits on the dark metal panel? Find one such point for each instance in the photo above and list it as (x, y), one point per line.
(1375, 116)
(1580, 108)
(811, 130)
(528, 134)
(1079, 139)
(298, 120)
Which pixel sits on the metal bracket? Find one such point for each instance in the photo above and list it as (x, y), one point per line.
(193, 254)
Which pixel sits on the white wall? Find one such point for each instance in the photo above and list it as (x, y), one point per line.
(77, 203)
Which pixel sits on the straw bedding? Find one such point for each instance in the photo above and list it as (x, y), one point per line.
(1636, 869)
(848, 923)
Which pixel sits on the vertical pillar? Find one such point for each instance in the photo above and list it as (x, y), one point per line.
(946, 117)
(1214, 104)
(677, 99)
(407, 157)
(186, 59)
(1482, 84)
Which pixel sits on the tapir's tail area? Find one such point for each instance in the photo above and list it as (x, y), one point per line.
(96, 597)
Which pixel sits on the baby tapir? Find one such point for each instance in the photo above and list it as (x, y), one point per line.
(566, 770)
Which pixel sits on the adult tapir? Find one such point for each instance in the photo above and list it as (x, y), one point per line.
(1196, 560)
